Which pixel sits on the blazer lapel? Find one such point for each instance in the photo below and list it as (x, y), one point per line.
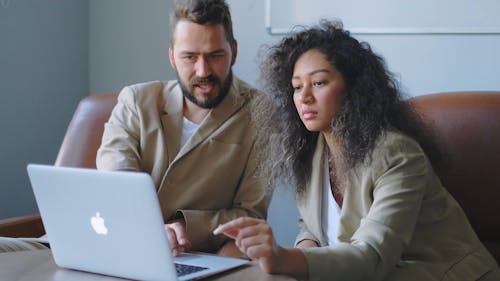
(217, 116)
(315, 200)
(172, 120)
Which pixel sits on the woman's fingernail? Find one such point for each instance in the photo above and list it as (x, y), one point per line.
(218, 230)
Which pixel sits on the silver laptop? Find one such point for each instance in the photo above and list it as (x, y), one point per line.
(110, 223)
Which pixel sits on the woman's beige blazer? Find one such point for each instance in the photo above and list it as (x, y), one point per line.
(397, 222)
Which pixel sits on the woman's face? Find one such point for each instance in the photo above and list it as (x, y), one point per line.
(319, 89)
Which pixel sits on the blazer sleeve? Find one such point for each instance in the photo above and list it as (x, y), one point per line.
(393, 186)
(305, 234)
(120, 141)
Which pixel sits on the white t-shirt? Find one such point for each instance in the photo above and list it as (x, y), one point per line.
(330, 210)
(188, 129)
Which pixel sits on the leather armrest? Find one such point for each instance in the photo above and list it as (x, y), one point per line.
(24, 226)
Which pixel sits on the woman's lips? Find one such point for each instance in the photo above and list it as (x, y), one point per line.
(309, 114)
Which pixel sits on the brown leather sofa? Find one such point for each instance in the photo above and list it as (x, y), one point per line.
(467, 124)
(84, 133)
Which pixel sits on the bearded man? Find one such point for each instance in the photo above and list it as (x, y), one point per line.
(193, 135)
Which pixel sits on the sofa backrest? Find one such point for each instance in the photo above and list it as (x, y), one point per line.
(84, 133)
(467, 125)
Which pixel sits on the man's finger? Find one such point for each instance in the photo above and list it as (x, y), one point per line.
(181, 234)
(172, 238)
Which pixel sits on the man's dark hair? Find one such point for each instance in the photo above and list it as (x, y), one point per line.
(206, 12)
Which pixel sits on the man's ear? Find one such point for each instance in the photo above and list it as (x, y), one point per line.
(235, 52)
(171, 58)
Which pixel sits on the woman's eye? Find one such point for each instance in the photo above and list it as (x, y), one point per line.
(319, 83)
(296, 88)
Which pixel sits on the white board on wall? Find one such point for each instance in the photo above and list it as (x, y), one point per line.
(378, 16)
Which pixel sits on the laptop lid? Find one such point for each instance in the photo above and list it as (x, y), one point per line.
(111, 223)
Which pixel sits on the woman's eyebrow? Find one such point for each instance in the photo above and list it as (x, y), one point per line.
(313, 72)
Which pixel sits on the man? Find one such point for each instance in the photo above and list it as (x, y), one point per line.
(193, 134)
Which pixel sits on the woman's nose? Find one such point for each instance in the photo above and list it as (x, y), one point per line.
(306, 95)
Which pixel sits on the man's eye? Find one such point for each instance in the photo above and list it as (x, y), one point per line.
(216, 55)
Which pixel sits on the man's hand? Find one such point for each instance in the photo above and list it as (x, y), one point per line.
(177, 235)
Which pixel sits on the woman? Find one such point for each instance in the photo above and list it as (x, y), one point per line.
(362, 163)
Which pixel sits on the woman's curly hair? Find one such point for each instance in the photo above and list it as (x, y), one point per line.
(372, 105)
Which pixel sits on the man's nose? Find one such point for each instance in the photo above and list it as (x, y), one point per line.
(203, 68)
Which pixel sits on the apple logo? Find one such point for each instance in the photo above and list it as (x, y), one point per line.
(98, 225)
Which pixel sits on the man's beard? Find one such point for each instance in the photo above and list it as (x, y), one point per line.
(208, 102)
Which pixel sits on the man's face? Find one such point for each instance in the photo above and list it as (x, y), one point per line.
(202, 58)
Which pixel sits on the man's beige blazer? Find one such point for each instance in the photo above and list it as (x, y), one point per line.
(397, 222)
(211, 179)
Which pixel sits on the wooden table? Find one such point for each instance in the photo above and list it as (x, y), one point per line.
(39, 265)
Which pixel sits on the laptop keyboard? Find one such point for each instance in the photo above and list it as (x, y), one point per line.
(183, 269)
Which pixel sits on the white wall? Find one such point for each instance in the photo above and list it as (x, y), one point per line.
(390, 16)
(424, 63)
(43, 75)
(128, 43)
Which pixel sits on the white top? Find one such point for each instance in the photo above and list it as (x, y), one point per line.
(188, 129)
(330, 210)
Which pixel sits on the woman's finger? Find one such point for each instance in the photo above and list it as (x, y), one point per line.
(236, 224)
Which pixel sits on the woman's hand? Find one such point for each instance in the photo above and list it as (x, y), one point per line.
(255, 238)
